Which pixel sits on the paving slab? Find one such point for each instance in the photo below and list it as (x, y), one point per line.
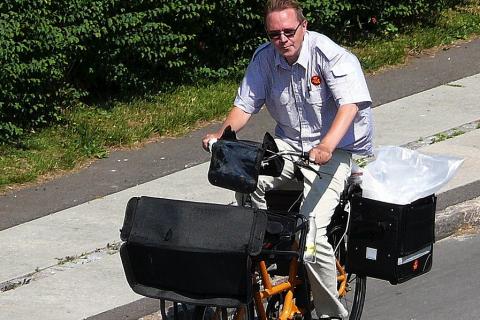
(466, 146)
(70, 293)
(429, 112)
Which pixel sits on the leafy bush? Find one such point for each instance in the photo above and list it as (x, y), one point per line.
(350, 20)
(130, 45)
(53, 53)
(32, 67)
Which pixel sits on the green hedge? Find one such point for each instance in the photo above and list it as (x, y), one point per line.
(347, 20)
(55, 52)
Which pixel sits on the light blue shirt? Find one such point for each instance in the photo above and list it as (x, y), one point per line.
(304, 98)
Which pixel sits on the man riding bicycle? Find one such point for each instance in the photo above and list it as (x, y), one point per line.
(316, 92)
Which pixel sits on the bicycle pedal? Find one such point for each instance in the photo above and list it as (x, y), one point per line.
(279, 279)
(272, 267)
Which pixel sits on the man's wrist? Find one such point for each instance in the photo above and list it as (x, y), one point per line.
(324, 147)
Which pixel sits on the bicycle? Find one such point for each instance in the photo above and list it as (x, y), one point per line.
(279, 301)
(149, 244)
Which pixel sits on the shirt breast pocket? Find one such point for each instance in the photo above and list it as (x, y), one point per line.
(339, 73)
(282, 107)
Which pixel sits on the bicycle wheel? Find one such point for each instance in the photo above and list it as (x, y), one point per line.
(223, 313)
(352, 288)
(175, 310)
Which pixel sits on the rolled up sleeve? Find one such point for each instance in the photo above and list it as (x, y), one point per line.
(251, 93)
(346, 80)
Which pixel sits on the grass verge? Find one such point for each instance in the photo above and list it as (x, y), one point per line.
(454, 25)
(89, 132)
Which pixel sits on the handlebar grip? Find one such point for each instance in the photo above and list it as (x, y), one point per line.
(211, 142)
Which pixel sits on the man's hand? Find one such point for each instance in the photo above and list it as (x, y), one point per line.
(320, 154)
(207, 138)
(236, 119)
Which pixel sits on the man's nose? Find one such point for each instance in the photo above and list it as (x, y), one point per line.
(283, 37)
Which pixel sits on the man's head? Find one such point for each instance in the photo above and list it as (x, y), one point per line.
(286, 27)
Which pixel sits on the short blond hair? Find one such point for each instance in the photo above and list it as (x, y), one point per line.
(279, 5)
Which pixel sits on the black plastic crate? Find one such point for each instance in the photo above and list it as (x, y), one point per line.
(389, 241)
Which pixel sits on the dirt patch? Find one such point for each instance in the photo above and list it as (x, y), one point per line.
(466, 230)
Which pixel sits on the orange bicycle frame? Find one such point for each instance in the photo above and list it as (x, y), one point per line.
(289, 309)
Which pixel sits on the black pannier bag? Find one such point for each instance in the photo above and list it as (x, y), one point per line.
(389, 241)
(189, 252)
(236, 164)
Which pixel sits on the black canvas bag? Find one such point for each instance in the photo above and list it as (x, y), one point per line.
(389, 241)
(236, 164)
(195, 253)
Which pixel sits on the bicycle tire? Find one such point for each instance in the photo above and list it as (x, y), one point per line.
(222, 313)
(352, 301)
(199, 312)
(210, 313)
(175, 310)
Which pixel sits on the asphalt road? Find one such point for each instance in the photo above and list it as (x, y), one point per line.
(449, 291)
(170, 155)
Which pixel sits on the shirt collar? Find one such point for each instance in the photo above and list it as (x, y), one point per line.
(304, 52)
(302, 58)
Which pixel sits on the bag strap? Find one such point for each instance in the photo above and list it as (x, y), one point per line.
(257, 233)
(274, 166)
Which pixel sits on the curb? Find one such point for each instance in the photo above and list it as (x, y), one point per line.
(453, 218)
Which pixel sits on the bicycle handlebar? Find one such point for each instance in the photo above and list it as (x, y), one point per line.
(269, 155)
(301, 154)
(211, 142)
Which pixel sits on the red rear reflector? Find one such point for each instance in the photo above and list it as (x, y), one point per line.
(415, 265)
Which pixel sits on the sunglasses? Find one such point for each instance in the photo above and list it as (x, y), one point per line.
(289, 33)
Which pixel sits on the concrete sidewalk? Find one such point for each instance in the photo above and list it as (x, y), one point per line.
(66, 266)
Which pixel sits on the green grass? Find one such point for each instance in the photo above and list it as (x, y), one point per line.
(89, 132)
(447, 135)
(454, 25)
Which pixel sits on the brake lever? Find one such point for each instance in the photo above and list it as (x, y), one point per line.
(304, 159)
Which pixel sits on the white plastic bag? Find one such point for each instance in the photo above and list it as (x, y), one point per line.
(399, 175)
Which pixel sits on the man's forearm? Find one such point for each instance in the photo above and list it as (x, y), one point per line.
(322, 152)
(341, 123)
(236, 119)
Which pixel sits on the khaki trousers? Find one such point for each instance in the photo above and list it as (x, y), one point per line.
(321, 196)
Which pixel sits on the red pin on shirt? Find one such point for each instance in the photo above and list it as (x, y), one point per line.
(316, 80)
